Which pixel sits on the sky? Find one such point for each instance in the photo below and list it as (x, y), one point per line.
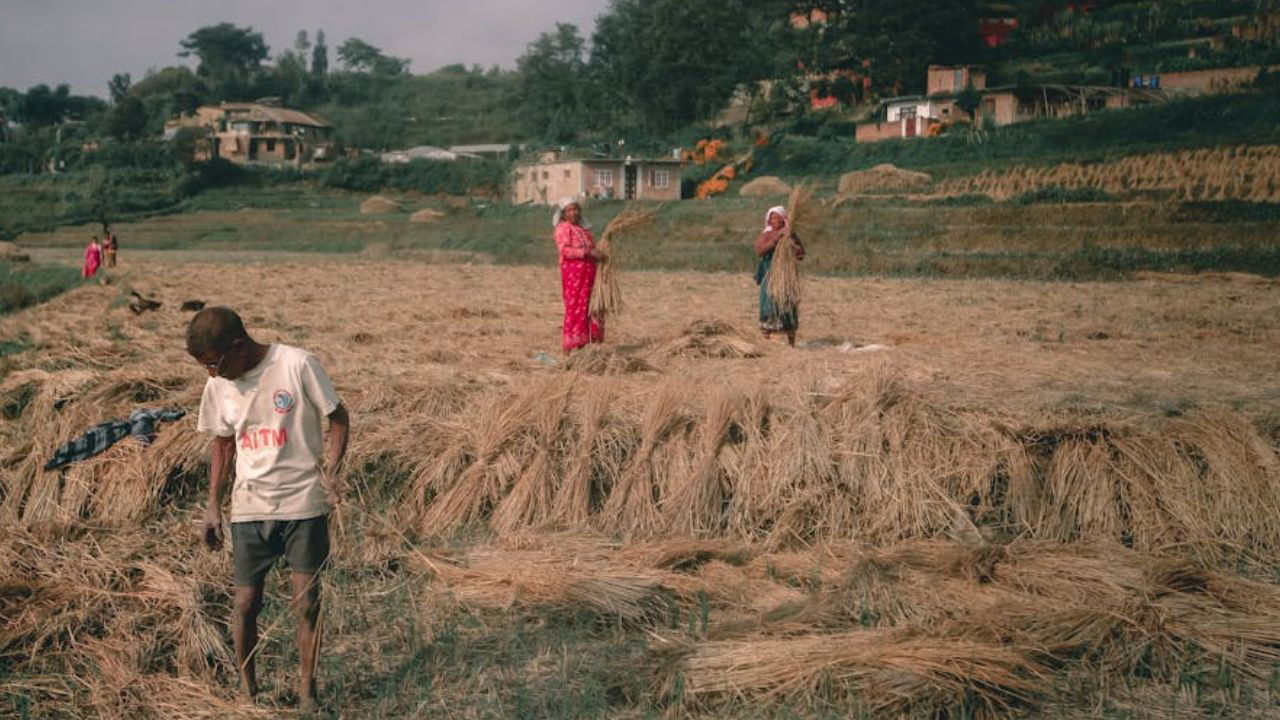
(85, 42)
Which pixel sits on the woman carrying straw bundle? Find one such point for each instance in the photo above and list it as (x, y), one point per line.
(778, 314)
(578, 260)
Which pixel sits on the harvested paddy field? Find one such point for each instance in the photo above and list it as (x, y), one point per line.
(953, 499)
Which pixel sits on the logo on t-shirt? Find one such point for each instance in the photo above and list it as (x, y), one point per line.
(283, 401)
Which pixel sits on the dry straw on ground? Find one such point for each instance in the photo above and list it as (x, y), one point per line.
(820, 528)
(1250, 173)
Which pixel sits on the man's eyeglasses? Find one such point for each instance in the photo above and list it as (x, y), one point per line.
(216, 367)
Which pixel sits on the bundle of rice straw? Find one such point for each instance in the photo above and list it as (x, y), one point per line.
(606, 297)
(784, 273)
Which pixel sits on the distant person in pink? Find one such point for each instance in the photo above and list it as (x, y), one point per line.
(578, 260)
(92, 258)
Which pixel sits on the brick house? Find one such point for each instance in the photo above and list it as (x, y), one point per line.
(626, 179)
(259, 133)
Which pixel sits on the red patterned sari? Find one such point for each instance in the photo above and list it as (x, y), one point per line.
(577, 276)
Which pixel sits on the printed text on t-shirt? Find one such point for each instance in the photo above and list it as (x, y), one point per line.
(263, 438)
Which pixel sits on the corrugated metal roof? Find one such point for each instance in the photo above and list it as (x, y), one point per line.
(266, 113)
(483, 148)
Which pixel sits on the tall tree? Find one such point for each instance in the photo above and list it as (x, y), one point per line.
(176, 89)
(359, 56)
(320, 56)
(663, 64)
(229, 57)
(552, 93)
(43, 106)
(290, 78)
(301, 44)
(894, 41)
(128, 119)
(118, 86)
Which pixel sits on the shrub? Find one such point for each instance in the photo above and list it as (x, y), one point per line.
(1057, 194)
(461, 177)
(28, 285)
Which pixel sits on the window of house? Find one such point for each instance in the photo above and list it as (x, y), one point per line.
(603, 177)
(546, 174)
(568, 173)
(660, 179)
(271, 146)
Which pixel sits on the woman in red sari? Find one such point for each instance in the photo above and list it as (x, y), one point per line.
(577, 276)
(92, 258)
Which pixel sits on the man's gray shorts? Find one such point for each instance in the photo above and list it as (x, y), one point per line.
(256, 545)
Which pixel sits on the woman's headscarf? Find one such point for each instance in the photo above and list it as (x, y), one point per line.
(564, 203)
(775, 210)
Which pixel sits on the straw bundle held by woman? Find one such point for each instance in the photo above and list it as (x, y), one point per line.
(784, 286)
(606, 296)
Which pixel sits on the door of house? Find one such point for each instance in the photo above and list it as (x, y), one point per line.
(908, 122)
(629, 182)
(988, 112)
(253, 149)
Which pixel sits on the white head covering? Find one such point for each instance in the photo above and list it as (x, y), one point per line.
(775, 210)
(564, 203)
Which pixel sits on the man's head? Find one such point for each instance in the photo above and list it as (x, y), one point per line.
(216, 338)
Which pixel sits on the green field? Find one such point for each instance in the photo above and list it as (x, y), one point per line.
(891, 237)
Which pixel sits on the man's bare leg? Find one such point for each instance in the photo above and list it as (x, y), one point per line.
(306, 604)
(244, 632)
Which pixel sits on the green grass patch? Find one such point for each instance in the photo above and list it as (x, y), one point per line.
(23, 284)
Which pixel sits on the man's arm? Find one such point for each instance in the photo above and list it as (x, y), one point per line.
(222, 456)
(339, 433)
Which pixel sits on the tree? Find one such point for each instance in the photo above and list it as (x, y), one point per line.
(893, 41)
(663, 64)
(969, 100)
(175, 88)
(42, 106)
(301, 44)
(128, 119)
(319, 56)
(289, 80)
(553, 79)
(359, 56)
(118, 86)
(229, 56)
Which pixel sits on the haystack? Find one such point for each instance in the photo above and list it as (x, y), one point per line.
(765, 186)
(606, 360)
(10, 252)
(378, 205)
(710, 339)
(426, 215)
(883, 177)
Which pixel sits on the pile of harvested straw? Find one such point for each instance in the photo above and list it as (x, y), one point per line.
(596, 359)
(710, 339)
(784, 282)
(606, 296)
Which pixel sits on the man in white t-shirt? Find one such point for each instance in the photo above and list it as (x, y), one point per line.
(265, 407)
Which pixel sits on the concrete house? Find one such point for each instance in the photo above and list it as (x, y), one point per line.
(548, 181)
(928, 115)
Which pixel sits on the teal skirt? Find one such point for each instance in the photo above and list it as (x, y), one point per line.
(774, 317)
